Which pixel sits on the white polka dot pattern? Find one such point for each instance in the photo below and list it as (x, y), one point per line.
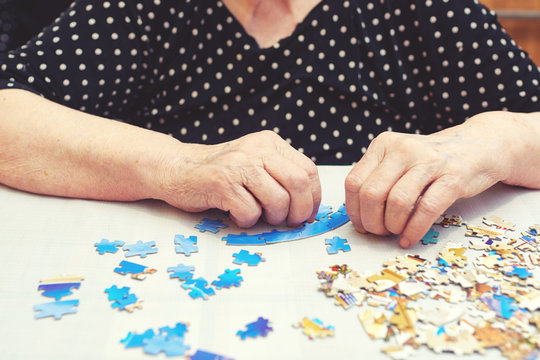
(350, 70)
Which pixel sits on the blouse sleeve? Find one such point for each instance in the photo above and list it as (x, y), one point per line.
(98, 56)
(473, 61)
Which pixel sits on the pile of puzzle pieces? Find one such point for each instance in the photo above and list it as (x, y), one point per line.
(57, 288)
(482, 292)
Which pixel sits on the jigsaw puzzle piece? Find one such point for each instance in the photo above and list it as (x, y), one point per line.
(115, 293)
(140, 248)
(315, 328)
(198, 288)
(137, 271)
(124, 303)
(185, 245)
(336, 244)
(205, 355)
(228, 279)
(245, 257)
(58, 290)
(136, 340)
(324, 211)
(211, 225)
(178, 330)
(244, 239)
(108, 246)
(181, 271)
(258, 328)
(431, 237)
(56, 309)
(160, 343)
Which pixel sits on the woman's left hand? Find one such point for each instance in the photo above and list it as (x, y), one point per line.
(404, 182)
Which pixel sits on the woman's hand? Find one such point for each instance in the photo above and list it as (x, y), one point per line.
(405, 182)
(258, 174)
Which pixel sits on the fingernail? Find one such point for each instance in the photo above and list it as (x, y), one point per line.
(404, 243)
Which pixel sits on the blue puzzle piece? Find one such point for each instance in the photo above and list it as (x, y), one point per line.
(130, 299)
(58, 290)
(140, 248)
(181, 271)
(521, 272)
(127, 267)
(336, 244)
(431, 237)
(178, 330)
(116, 293)
(57, 309)
(205, 355)
(159, 343)
(245, 257)
(198, 288)
(228, 279)
(136, 340)
(108, 246)
(258, 328)
(186, 245)
(211, 225)
(503, 305)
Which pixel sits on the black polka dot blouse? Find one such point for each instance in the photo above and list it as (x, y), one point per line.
(350, 70)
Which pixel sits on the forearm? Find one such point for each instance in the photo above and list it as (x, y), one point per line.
(51, 149)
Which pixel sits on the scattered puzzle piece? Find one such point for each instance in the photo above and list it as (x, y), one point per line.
(62, 279)
(228, 279)
(181, 271)
(446, 221)
(521, 272)
(159, 343)
(115, 293)
(315, 328)
(258, 328)
(336, 244)
(205, 355)
(58, 290)
(499, 223)
(185, 245)
(211, 225)
(56, 309)
(137, 271)
(136, 340)
(140, 248)
(245, 257)
(108, 246)
(431, 237)
(198, 288)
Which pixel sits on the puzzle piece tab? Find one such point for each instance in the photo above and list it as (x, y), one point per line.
(185, 246)
(108, 246)
(140, 248)
(211, 225)
(245, 257)
(336, 244)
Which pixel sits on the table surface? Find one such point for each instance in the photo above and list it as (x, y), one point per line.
(43, 236)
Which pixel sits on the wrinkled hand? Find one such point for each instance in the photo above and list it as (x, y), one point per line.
(404, 182)
(257, 175)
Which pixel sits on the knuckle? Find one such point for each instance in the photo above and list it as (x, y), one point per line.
(430, 207)
(400, 200)
(352, 183)
(370, 194)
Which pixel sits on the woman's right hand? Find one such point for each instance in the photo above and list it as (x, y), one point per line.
(256, 175)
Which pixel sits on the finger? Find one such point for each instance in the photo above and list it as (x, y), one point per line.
(271, 195)
(374, 193)
(437, 198)
(403, 197)
(296, 182)
(353, 184)
(315, 183)
(244, 210)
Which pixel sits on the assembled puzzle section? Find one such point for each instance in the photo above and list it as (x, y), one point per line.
(58, 287)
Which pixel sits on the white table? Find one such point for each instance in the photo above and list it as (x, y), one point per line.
(44, 236)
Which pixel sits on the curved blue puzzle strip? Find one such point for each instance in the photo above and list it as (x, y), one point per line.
(326, 223)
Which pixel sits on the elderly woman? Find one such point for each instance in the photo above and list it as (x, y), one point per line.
(430, 98)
